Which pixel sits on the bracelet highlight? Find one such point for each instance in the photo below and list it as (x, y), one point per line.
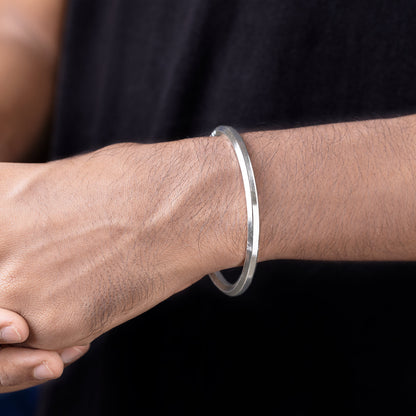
(253, 217)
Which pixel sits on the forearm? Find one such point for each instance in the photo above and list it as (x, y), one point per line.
(23, 112)
(129, 225)
(332, 192)
(29, 46)
(337, 192)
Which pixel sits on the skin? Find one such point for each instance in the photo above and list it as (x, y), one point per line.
(116, 231)
(30, 33)
(29, 46)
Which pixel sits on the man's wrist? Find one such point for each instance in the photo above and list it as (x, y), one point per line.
(211, 214)
(188, 204)
(221, 184)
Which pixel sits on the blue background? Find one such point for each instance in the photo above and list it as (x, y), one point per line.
(22, 403)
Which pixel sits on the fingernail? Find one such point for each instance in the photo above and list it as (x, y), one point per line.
(43, 372)
(10, 334)
(69, 355)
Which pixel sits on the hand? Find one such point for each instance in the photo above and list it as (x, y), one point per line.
(21, 368)
(87, 243)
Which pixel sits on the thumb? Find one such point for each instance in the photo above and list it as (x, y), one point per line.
(13, 328)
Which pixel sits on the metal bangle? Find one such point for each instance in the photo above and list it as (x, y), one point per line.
(253, 217)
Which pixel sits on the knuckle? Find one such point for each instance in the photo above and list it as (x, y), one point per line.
(54, 364)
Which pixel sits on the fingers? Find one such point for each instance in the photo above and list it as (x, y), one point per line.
(13, 328)
(69, 355)
(21, 368)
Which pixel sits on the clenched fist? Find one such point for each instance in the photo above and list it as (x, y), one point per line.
(91, 241)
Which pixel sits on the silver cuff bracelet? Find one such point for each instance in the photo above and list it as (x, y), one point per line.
(253, 217)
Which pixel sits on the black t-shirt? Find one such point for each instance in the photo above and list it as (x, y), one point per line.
(308, 337)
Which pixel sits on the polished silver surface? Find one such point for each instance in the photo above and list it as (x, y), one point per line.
(253, 217)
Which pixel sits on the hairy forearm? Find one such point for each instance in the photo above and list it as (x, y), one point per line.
(129, 225)
(333, 192)
(337, 192)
